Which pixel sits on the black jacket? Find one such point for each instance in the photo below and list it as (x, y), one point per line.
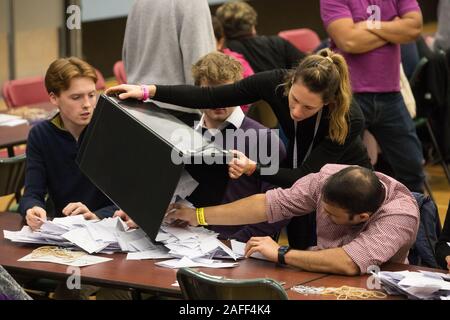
(265, 53)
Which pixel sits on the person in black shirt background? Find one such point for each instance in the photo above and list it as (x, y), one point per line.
(264, 53)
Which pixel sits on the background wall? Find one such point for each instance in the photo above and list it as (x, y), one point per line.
(3, 42)
(107, 35)
(38, 25)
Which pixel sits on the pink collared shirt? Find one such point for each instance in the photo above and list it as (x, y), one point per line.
(386, 237)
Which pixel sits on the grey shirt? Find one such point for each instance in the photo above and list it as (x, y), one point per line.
(9, 288)
(442, 41)
(164, 38)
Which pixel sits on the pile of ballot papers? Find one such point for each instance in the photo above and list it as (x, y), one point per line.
(189, 247)
(421, 285)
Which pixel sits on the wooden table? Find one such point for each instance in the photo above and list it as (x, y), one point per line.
(144, 275)
(13, 136)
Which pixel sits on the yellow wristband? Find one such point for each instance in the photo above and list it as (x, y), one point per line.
(201, 216)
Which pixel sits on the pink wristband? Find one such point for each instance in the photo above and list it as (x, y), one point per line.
(145, 93)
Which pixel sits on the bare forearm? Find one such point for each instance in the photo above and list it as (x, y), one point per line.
(362, 41)
(245, 211)
(401, 30)
(326, 261)
(353, 38)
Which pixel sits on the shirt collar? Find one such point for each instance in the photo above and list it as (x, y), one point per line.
(57, 122)
(235, 118)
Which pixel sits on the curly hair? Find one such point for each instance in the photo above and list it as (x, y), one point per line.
(216, 68)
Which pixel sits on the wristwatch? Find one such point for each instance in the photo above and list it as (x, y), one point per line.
(281, 253)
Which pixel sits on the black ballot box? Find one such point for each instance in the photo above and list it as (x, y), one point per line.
(135, 153)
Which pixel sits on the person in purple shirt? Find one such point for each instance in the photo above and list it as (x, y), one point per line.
(364, 219)
(369, 33)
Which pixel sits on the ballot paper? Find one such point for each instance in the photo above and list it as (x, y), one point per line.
(82, 261)
(159, 252)
(197, 244)
(8, 120)
(239, 249)
(422, 285)
(185, 262)
(186, 185)
(93, 236)
(83, 239)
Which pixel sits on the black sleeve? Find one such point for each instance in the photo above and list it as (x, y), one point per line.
(442, 248)
(323, 153)
(260, 86)
(292, 54)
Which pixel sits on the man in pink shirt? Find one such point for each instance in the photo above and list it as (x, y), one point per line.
(364, 218)
(368, 33)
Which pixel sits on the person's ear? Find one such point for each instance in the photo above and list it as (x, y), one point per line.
(53, 99)
(221, 44)
(363, 217)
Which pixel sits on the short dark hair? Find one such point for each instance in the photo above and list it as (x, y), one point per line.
(354, 189)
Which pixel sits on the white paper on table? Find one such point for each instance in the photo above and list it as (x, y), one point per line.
(190, 243)
(9, 120)
(53, 228)
(416, 279)
(71, 221)
(228, 251)
(162, 236)
(186, 185)
(85, 260)
(125, 238)
(239, 249)
(26, 235)
(422, 292)
(209, 244)
(113, 224)
(83, 239)
(180, 251)
(436, 275)
(142, 244)
(101, 233)
(14, 123)
(179, 233)
(188, 263)
(158, 253)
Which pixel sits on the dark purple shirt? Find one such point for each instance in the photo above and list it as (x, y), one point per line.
(376, 71)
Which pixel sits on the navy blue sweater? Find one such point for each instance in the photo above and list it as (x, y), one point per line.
(51, 168)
